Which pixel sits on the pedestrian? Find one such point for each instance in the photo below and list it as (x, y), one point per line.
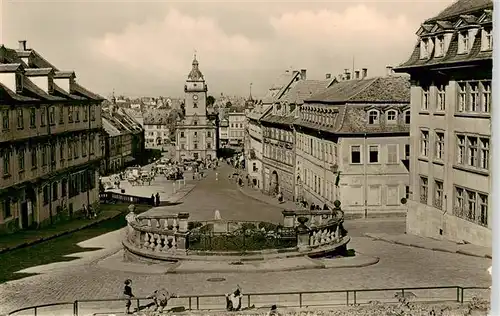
(127, 292)
(216, 176)
(157, 199)
(152, 200)
(273, 311)
(86, 211)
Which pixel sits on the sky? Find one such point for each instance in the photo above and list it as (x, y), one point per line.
(145, 48)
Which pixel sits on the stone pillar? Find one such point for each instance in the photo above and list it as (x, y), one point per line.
(181, 240)
(183, 222)
(303, 233)
(288, 219)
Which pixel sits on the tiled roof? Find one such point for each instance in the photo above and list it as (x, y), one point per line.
(451, 56)
(156, 117)
(462, 7)
(304, 89)
(9, 67)
(379, 89)
(281, 82)
(109, 127)
(38, 71)
(7, 95)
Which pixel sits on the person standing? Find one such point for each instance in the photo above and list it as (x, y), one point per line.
(127, 292)
(216, 176)
(152, 200)
(157, 199)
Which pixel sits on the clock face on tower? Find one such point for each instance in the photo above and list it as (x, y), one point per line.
(195, 97)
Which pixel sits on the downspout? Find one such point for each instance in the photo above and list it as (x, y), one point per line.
(89, 120)
(47, 121)
(365, 176)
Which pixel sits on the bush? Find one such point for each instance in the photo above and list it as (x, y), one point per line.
(193, 225)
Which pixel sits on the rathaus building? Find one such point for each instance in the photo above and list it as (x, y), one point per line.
(195, 133)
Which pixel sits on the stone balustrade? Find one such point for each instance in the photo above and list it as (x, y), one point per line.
(158, 233)
(315, 218)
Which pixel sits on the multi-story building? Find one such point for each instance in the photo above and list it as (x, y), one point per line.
(224, 132)
(236, 129)
(451, 71)
(279, 136)
(196, 137)
(351, 141)
(49, 141)
(253, 132)
(157, 128)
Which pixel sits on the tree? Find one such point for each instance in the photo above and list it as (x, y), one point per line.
(228, 104)
(210, 100)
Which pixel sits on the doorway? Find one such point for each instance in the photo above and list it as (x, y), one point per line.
(24, 215)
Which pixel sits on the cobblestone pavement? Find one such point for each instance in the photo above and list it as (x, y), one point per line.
(399, 265)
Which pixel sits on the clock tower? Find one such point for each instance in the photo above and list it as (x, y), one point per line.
(195, 134)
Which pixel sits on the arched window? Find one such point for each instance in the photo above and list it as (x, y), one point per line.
(407, 117)
(392, 116)
(373, 117)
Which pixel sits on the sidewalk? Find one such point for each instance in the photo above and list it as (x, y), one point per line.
(434, 244)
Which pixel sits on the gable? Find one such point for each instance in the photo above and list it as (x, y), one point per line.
(424, 29)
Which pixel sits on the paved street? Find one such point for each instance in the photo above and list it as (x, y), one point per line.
(399, 265)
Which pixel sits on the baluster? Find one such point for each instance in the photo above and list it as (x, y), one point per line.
(157, 242)
(174, 243)
(149, 222)
(165, 243)
(146, 240)
(175, 223)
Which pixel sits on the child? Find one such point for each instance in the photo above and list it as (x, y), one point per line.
(127, 292)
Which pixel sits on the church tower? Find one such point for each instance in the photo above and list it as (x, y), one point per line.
(195, 134)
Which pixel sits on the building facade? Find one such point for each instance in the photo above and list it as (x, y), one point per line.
(224, 132)
(50, 141)
(352, 140)
(157, 128)
(236, 129)
(451, 71)
(196, 134)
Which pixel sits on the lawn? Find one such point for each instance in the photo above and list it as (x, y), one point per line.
(55, 249)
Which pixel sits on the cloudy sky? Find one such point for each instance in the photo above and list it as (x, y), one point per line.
(146, 47)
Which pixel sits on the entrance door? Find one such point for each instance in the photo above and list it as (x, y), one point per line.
(24, 215)
(195, 156)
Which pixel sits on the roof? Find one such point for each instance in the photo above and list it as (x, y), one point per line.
(303, 90)
(9, 67)
(195, 73)
(461, 7)
(109, 127)
(391, 89)
(156, 117)
(279, 84)
(38, 71)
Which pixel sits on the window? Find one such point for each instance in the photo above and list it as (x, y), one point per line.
(33, 117)
(209, 145)
(84, 146)
(34, 161)
(440, 46)
(458, 208)
(373, 117)
(407, 151)
(195, 134)
(486, 97)
(407, 192)
(392, 116)
(70, 149)
(52, 155)
(392, 154)
(42, 116)
(182, 134)
(439, 154)
(438, 194)
(195, 123)
(473, 98)
(472, 150)
(471, 205)
(487, 40)
(85, 114)
(355, 154)
(5, 119)
(195, 105)
(61, 150)
(424, 143)
(6, 162)
(209, 134)
(44, 155)
(183, 146)
(70, 114)
(46, 193)
(483, 209)
(52, 115)
(461, 154)
(462, 96)
(7, 212)
(254, 167)
(195, 146)
(92, 144)
(441, 98)
(20, 156)
(61, 115)
(484, 155)
(75, 148)
(425, 99)
(373, 154)
(54, 191)
(20, 119)
(64, 185)
(424, 187)
(407, 117)
(92, 112)
(463, 44)
(76, 111)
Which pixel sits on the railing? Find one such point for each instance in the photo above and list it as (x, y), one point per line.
(121, 197)
(295, 299)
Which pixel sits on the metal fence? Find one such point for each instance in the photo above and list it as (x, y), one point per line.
(331, 298)
(106, 197)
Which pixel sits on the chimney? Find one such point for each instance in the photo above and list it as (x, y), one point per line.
(303, 73)
(364, 73)
(348, 76)
(328, 76)
(346, 71)
(388, 70)
(22, 45)
(357, 74)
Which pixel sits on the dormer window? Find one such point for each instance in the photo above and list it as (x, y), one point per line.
(463, 42)
(424, 48)
(440, 46)
(407, 117)
(373, 117)
(392, 116)
(486, 39)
